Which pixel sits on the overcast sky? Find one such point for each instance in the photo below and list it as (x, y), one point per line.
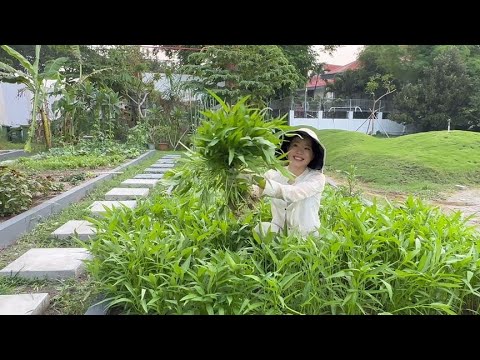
(342, 56)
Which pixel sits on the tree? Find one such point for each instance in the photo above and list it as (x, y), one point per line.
(303, 58)
(168, 113)
(385, 59)
(442, 93)
(349, 84)
(376, 83)
(234, 71)
(48, 52)
(36, 82)
(126, 65)
(182, 52)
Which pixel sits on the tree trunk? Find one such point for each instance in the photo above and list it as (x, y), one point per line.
(46, 128)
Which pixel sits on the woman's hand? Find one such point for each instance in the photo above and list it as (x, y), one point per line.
(260, 181)
(252, 178)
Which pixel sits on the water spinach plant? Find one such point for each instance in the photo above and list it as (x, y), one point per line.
(230, 142)
(189, 252)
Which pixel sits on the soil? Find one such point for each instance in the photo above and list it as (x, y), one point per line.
(465, 200)
(67, 178)
(461, 198)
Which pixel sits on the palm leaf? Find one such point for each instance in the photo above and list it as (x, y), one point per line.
(52, 67)
(23, 61)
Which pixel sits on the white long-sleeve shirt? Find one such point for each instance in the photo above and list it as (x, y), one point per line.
(297, 204)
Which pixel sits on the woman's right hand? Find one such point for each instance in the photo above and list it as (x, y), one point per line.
(260, 181)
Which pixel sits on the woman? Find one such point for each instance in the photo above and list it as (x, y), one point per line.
(295, 203)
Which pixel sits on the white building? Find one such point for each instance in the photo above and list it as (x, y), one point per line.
(15, 105)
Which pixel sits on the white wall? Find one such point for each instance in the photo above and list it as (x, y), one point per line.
(351, 124)
(3, 115)
(15, 110)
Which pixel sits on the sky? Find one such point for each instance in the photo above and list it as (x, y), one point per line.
(343, 55)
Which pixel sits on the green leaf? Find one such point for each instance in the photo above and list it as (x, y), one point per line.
(23, 61)
(231, 154)
(53, 67)
(389, 289)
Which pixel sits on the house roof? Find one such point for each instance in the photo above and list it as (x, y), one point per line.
(330, 69)
(354, 65)
(316, 81)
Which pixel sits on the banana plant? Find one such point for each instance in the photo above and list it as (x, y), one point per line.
(75, 98)
(35, 82)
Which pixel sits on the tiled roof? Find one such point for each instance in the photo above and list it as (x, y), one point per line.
(316, 80)
(354, 65)
(330, 69)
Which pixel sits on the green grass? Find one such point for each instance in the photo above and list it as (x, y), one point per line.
(8, 145)
(68, 296)
(423, 162)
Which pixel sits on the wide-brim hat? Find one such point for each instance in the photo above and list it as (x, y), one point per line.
(318, 149)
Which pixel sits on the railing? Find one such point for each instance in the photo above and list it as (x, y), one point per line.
(348, 120)
(346, 108)
(335, 104)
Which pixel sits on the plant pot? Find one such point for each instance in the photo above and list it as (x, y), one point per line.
(162, 146)
(151, 146)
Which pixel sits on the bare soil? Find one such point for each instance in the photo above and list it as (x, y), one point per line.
(465, 200)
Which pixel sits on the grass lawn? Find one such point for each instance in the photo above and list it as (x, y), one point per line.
(418, 163)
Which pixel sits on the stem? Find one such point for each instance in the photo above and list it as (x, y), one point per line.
(46, 128)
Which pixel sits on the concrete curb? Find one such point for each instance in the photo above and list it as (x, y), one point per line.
(98, 309)
(13, 155)
(15, 227)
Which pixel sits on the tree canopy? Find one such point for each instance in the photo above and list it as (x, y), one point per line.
(235, 71)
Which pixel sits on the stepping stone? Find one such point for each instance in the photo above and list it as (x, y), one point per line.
(139, 183)
(166, 161)
(80, 229)
(171, 156)
(156, 170)
(126, 193)
(160, 165)
(24, 304)
(97, 208)
(148, 176)
(49, 263)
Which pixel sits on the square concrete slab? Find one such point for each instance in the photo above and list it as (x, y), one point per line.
(80, 229)
(148, 176)
(160, 165)
(49, 263)
(166, 161)
(24, 304)
(97, 208)
(126, 193)
(156, 170)
(174, 156)
(139, 183)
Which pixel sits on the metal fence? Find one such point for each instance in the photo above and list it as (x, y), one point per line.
(329, 105)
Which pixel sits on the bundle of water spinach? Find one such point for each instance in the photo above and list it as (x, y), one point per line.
(229, 143)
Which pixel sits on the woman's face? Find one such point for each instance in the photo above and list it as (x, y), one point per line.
(300, 152)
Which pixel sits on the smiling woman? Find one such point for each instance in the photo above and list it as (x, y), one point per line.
(295, 202)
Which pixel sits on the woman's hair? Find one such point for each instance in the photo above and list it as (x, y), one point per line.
(318, 152)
